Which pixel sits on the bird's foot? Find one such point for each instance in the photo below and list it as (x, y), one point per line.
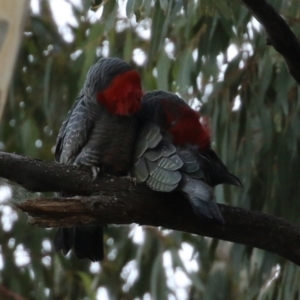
(132, 179)
(95, 171)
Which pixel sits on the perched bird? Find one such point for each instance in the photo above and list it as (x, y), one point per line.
(99, 132)
(173, 152)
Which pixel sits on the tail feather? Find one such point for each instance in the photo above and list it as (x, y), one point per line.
(216, 171)
(87, 242)
(231, 179)
(207, 209)
(201, 197)
(64, 240)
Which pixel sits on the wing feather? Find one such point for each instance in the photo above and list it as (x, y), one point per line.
(156, 162)
(74, 132)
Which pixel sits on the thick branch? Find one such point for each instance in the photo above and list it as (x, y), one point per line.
(170, 211)
(44, 176)
(120, 202)
(280, 35)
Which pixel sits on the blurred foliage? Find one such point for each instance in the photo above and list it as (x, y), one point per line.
(213, 54)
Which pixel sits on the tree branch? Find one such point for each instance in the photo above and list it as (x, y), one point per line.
(280, 36)
(120, 202)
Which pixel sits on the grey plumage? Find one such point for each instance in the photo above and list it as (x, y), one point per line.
(85, 137)
(167, 167)
(93, 137)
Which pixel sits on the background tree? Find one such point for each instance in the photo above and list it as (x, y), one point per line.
(214, 55)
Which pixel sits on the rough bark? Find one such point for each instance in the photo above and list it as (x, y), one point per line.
(120, 202)
(280, 36)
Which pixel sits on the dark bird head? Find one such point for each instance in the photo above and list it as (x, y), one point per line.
(116, 85)
(174, 115)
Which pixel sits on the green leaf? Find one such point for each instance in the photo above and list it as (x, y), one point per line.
(87, 283)
(223, 8)
(128, 46)
(208, 7)
(163, 69)
(164, 5)
(185, 68)
(29, 134)
(110, 14)
(129, 8)
(158, 285)
(156, 32)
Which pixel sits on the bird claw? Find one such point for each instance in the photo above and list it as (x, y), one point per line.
(95, 171)
(132, 179)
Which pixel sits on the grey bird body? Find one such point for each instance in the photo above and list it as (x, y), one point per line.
(91, 136)
(165, 162)
(99, 133)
